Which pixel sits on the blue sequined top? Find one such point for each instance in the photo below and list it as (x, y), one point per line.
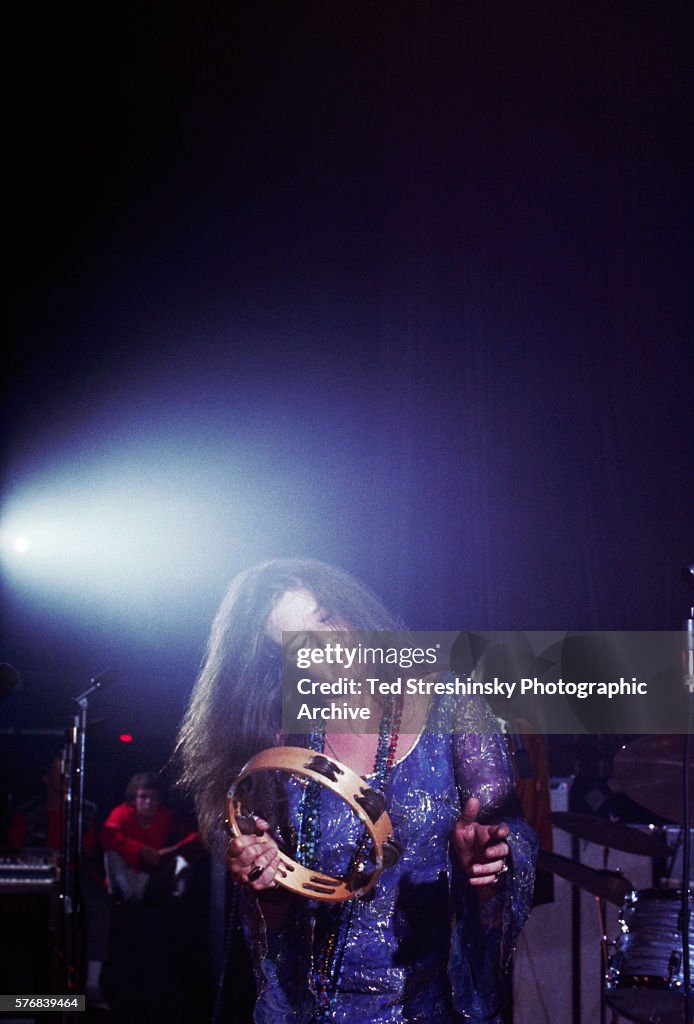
(424, 948)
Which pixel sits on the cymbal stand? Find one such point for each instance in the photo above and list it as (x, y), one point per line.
(604, 955)
(575, 942)
(604, 963)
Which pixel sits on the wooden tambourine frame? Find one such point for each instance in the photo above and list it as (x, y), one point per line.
(367, 804)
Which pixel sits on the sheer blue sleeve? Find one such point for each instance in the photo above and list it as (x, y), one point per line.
(484, 931)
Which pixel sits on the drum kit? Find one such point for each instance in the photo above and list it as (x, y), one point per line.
(643, 978)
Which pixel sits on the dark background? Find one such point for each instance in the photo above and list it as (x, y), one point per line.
(403, 287)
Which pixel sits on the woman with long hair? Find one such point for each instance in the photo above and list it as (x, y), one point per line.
(433, 942)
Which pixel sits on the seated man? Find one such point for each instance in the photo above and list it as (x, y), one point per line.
(147, 848)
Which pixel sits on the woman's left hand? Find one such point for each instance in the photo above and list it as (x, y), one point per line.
(482, 849)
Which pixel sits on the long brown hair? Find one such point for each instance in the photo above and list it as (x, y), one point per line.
(235, 707)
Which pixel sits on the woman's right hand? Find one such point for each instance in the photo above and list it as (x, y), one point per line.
(246, 854)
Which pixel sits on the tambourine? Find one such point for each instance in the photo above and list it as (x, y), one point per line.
(368, 805)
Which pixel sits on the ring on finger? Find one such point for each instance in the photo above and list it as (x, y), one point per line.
(255, 873)
(500, 872)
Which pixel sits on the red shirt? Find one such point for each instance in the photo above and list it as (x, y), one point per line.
(123, 833)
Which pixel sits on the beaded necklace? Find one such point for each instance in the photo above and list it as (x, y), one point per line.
(329, 959)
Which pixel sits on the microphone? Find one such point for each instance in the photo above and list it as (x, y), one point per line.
(10, 680)
(98, 682)
(103, 679)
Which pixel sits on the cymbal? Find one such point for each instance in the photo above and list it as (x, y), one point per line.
(611, 833)
(650, 770)
(606, 885)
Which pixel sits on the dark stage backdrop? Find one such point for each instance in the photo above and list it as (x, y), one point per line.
(403, 287)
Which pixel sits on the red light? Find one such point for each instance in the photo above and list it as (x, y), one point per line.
(125, 737)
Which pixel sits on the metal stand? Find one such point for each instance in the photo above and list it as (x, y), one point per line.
(70, 894)
(688, 679)
(575, 942)
(604, 957)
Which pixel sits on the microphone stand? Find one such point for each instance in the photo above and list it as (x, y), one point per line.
(74, 831)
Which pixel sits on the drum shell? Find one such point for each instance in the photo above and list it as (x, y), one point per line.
(645, 977)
